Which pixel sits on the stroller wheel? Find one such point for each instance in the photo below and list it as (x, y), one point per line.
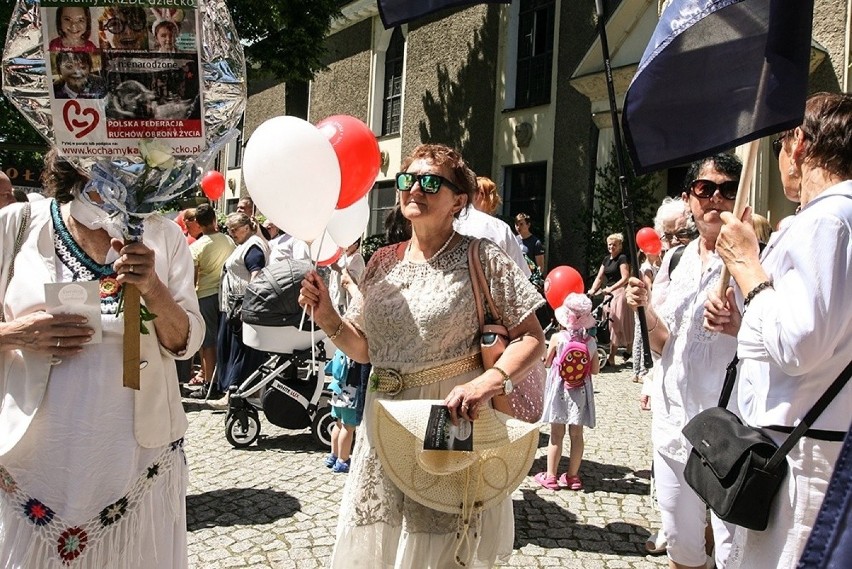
(603, 356)
(239, 437)
(322, 425)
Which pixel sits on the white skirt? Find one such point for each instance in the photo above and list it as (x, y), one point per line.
(380, 528)
(78, 492)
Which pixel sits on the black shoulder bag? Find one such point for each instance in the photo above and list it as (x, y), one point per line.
(736, 469)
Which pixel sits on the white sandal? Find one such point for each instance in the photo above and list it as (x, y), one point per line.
(656, 543)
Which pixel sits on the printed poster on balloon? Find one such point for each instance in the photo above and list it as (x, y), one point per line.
(122, 72)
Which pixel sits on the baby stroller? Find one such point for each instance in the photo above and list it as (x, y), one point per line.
(290, 386)
(601, 330)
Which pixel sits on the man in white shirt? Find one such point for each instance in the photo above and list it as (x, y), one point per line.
(286, 246)
(475, 223)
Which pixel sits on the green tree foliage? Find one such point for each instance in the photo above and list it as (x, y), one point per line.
(608, 217)
(284, 38)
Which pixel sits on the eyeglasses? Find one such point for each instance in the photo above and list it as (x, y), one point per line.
(704, 189)
(429, 183)
(778, 144)
(117, 25)
(679, 235)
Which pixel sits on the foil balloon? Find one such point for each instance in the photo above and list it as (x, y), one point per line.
(140, 116)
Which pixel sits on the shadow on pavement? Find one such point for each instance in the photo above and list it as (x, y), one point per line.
(295, 442)
(600, 477)
(238, 506)
(547, 524)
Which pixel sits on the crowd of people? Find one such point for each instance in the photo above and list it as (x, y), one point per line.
(79, 478)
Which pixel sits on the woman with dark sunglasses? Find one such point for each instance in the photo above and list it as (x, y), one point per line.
(416, 322)
(692, 360)
(794, 326)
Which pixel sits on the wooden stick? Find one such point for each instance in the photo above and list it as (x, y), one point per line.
(132, 321)
(749, 159)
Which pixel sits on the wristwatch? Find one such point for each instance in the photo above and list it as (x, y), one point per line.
(507, 381)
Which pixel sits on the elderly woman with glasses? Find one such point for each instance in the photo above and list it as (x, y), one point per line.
(692, 360)
(236, 360)
(416, 317)
(794, 324)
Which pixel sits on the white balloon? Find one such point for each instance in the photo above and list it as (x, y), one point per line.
(293, 176)
(323, 247)
(348, 224)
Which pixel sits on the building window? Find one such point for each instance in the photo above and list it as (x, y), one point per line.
(535, 52)
(383, 199)
(394, 58)
(526, 190)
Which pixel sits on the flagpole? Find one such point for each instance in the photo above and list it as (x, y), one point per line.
(626, 206)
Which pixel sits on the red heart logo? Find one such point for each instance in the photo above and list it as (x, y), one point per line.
(73, 122)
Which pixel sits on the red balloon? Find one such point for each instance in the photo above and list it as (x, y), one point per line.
(357, 153)
(648, 241)
(560, 282)
(331, 260)
(213, 184)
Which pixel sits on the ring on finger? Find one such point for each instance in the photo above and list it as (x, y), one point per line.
(58, 341)
(130, 270)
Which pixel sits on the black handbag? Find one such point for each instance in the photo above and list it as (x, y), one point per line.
(736, 469)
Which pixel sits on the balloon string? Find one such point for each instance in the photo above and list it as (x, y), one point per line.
(315, 261)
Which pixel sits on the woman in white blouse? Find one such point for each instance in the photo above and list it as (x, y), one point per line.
(795, 332)
(692, 360)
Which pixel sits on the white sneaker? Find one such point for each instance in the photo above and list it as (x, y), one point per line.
(219, 404)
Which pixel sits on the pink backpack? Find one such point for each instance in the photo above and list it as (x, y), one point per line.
(574, 363)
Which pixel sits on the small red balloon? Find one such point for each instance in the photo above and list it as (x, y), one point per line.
(331, 260)
(213, 184)
(357, 153)
(648, 241)
(560, 282)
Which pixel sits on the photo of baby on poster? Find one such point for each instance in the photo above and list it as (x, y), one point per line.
(124, 73)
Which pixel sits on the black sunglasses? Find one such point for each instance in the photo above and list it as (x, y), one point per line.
(680, 234)
(429, 183)
(778, 144)
(117, 25)
(704, 189)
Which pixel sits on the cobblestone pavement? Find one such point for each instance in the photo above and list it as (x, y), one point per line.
(273, 504)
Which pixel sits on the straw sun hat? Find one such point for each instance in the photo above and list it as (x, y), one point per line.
(455, 482)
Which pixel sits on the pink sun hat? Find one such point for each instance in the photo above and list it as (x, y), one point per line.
(575, 312)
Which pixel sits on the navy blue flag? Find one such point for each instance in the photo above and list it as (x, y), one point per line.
(716, 74)
(396, 12)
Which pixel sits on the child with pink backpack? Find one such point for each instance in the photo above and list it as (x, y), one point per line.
(569, 395)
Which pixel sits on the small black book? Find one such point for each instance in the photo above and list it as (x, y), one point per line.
(441, 434)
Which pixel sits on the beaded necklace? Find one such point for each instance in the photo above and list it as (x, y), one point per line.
(438, 252)
(83, 267)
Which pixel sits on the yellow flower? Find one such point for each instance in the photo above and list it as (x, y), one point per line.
(156, 154)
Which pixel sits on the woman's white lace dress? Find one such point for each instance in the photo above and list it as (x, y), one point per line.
(418, 315)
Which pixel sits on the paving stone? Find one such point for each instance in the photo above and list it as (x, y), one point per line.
(274, 506)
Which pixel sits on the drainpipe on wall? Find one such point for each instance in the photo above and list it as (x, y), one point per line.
(848, 52)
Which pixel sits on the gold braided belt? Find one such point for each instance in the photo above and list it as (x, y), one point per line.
(390, 381)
